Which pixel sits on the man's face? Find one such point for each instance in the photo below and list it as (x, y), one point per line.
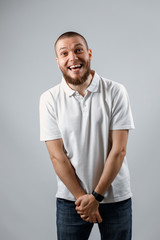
(73, 59)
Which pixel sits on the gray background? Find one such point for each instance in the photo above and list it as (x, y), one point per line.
(124, 37)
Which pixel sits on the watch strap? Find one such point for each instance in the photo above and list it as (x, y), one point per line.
(98, 196)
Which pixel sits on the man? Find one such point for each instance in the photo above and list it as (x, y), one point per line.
(84, 121)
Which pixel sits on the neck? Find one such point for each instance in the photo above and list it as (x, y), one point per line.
(81, 88)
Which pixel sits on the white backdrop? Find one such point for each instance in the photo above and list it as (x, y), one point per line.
(125, 39)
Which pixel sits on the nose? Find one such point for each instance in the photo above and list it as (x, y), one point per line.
(72, 56)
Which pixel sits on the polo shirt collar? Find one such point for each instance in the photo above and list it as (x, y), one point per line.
(93, 87)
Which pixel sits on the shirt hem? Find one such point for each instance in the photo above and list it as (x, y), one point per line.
(122, 127)
(117, 199)
(106, 200)
(50, 138)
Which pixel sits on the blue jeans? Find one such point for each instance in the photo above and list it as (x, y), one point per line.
(116, 224)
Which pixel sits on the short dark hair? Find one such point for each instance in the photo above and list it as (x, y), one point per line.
(68, 35)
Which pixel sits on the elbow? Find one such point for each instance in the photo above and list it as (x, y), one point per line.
(120, 153)
(53, 158)
(123, 153)
(56, 159)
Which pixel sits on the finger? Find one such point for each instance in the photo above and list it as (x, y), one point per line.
(82, 213)
(91, 219)
(88, 219)
(94, 219)
(80, 208)
(98, 217)
(78, 202)
(84, 217)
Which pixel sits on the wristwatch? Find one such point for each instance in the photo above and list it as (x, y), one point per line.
(98, 196)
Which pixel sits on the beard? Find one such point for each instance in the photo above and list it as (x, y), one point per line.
(77, 80)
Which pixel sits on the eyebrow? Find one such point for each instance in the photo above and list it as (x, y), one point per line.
(78, 44)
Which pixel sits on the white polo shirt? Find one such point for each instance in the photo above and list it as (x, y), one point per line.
(84, 123)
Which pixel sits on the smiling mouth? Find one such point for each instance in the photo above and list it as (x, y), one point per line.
(74, 67)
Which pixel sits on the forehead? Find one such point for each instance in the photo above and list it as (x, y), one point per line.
(70, 42)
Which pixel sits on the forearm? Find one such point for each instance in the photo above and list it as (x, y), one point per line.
(112, 167)
(66, 173)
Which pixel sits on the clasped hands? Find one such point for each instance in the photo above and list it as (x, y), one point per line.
(87, 207)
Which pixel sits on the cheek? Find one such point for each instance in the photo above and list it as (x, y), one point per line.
(62, 66)
(87, 60)
(61, 62)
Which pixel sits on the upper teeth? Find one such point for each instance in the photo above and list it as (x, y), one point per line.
(74, 66)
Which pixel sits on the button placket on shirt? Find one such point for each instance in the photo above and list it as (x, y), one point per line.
(84, 106)
(82, 101)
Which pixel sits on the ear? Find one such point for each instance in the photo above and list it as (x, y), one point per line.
(90, 53)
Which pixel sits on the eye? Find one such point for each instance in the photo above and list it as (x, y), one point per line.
(63, 53)
(79, 50)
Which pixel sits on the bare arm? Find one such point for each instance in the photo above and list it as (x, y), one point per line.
(63, 167)
(66, 172)
(115, 157)
(118, 140)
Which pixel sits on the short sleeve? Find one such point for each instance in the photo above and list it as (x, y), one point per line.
(48, 124)
(121, 115)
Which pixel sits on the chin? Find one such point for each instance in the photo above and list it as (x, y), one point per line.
(75, 81)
